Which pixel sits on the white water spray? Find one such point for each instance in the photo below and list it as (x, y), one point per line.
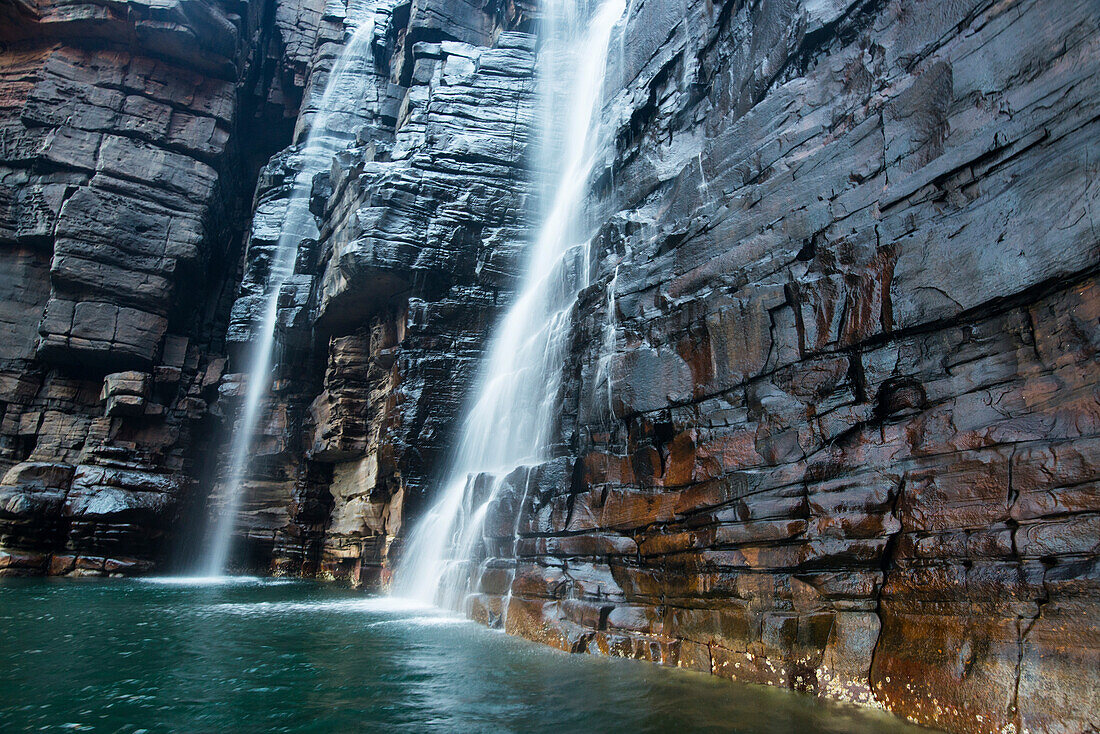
(343, 97)
(512, 420)
(608, 341)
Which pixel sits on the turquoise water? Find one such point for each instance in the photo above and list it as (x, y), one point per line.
(291, 656)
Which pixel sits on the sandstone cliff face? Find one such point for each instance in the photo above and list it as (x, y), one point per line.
(125, 186)
(830, 417)
(420, 222)
(131, 138)
(831, 414)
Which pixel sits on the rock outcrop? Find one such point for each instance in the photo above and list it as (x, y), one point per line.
(125, 189)
(831, 409)
(421, 221)
(847, 438)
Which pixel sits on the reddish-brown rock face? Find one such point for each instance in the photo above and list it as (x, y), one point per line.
(835, 427)
(847, 441)
(123, 181)
(130, 137)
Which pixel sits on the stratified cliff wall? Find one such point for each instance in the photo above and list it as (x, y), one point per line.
(125, 187)
(831, 413)
(134, 266)
(422, 220)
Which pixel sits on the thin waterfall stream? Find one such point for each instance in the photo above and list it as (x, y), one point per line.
(511, 420)
(328, 134)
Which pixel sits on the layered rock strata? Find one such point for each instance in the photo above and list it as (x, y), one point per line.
(831, 416)
(125, 188)
(420, 223)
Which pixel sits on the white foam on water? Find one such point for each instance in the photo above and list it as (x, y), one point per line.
(438, 621)
(372, 604)
(208, 580)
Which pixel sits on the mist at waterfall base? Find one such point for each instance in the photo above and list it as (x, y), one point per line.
(329, 132)
(511, 421)
(258, 655)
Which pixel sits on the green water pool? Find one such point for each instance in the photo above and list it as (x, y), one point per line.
(260, 655)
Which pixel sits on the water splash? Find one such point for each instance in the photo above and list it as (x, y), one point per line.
(608, 341)
(513, 417)
(205, 580)
(355, 605)
(343, 97)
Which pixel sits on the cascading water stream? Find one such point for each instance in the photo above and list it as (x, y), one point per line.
(512, 419)
(329, 133)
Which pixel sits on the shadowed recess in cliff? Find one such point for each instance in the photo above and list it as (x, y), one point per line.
(511, 421)
(343, 94)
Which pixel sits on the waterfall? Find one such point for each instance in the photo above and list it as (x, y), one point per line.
(511, 421)
(342, 98)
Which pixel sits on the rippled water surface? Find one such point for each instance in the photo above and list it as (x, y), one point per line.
(269, 655)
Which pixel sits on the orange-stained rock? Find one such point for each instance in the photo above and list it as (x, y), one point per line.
(855, 410)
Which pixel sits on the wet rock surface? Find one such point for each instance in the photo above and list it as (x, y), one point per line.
(830, 415)
(420, 225)
(841, 437)
(129, 137)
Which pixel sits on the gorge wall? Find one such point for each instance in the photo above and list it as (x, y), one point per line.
(846, 441)
(125, 190)
(831, 415)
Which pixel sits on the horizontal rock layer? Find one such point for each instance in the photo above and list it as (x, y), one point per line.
(125, 182)
(831, 414)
